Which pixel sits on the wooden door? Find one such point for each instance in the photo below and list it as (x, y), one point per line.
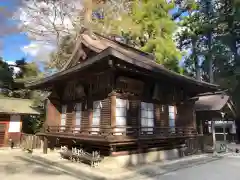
(3, 127)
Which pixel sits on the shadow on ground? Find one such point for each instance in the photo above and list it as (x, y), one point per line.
(148, 172)
(22, 165)
(42, 162)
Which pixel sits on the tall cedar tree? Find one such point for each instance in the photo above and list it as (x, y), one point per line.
(149, 27)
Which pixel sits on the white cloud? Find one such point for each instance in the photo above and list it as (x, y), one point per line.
(38, 50)
(15, 69)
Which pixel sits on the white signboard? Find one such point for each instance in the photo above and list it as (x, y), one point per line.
(15, 123)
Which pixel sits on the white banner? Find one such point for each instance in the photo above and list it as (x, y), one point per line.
(15, 123)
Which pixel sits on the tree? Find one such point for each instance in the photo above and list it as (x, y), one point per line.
(14, 87)
(63, 53)
(53, 20)
(144, 33)
(198, 35)
(6, 75)
(50, 20)
(26, 69)
(229, 34)
(189, 37)
(220, 45)
(217, 47)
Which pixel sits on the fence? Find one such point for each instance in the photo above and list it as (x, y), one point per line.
(30, 141)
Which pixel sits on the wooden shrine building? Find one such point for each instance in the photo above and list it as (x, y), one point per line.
(116, 99)
(219, 108)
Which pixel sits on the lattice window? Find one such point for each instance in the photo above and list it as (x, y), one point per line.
(121, 116)
(97, 105)
(172, 117)
(78, 116)
(63, 117)
(147, 117)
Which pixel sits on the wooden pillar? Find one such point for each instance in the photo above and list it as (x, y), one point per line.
(46, 107)
(157, 115)
(200, 127)
(45, 145)
(113, 110)
(194, 117)
(90, 117)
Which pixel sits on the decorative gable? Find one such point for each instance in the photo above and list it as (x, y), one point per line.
(86, 47)
(73, 90)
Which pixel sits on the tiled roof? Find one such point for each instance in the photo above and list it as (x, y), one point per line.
(17, 106)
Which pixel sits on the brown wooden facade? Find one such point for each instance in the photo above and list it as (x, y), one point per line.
(106, 77)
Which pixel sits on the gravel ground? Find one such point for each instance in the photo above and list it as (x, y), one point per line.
(13, 168)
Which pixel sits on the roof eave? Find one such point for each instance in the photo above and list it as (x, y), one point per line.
(37, 84)
(163, 70)
(110, 51)
(21, 113)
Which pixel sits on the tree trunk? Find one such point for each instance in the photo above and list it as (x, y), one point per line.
(209, 57)
(197, 68)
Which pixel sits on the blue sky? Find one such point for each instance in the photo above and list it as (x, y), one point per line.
(12, 43)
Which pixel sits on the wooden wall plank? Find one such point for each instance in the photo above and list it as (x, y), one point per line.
(186, 115)
(106, 112)
(133, 115)
(113, 110)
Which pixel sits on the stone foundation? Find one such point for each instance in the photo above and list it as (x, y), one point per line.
(141, 158)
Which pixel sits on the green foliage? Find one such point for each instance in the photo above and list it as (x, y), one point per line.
(149, 27)
(32, 124)
(6, 75)
(26, 69)
(153, 28)
(146, 25)
(217, 34)
(15, 88)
